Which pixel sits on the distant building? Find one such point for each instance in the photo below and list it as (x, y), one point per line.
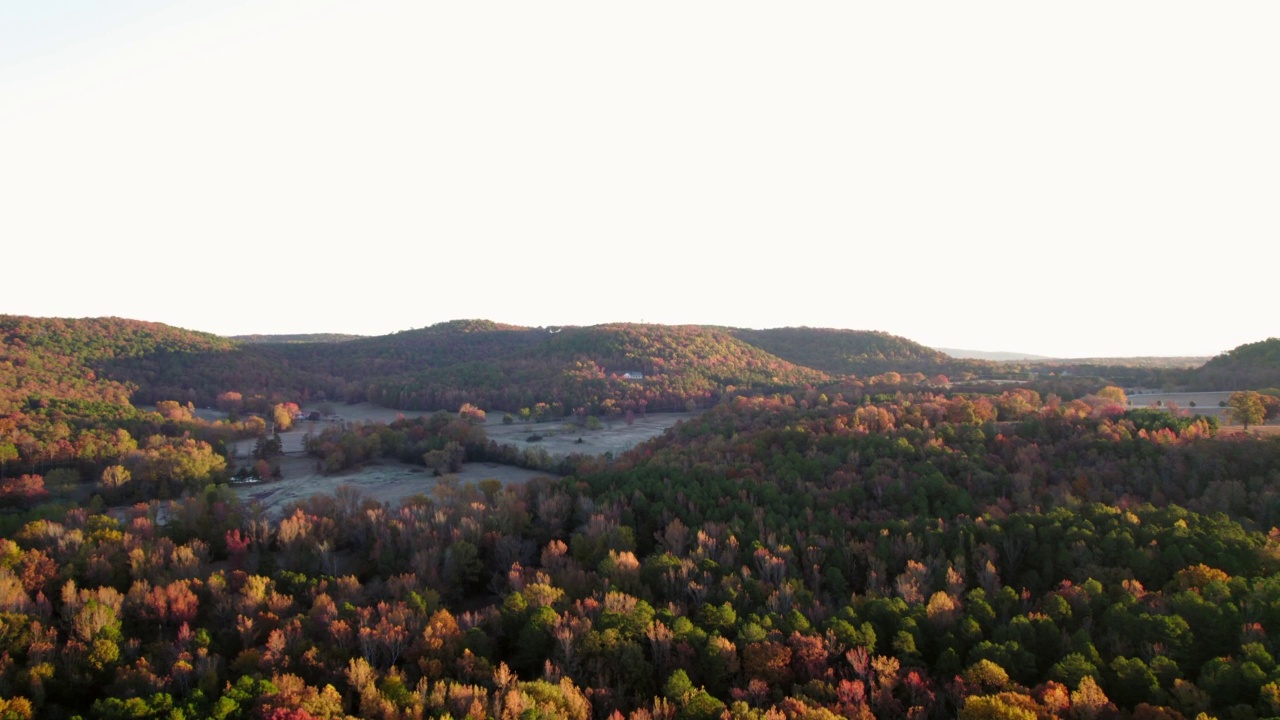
(633, 375)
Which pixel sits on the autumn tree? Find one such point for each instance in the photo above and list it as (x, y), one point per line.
(282, 415)
(22, 491)
(1270, 398)
(115, 477)
(175, 411)
(8, 453)
(448, 459)
(471, 414)
(1114, 394)
(230, 402)
(1246, 408)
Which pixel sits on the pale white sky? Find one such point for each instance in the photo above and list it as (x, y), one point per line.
(1069, 179)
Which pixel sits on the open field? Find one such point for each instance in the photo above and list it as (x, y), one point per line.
(391, 482)
(385, 482)
(1270, 430)
(1206, 403)
(365, 412)
(561, 438)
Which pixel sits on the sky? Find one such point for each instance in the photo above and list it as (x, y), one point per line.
(1078, 179)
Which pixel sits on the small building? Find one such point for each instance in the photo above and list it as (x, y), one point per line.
(633, 375)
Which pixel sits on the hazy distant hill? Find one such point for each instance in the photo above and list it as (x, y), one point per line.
(297, 339)
(993, 355)
(1146, 361)
(847, 352)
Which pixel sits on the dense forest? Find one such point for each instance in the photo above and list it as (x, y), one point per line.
(1250, 365)
(816, 544)
(497, 366)
(853, 352)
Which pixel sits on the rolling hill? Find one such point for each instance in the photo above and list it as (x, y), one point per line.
(1249, 366)
(70, 359)
(597, 369)
(586, 367)
(606, 368)
(848, 352)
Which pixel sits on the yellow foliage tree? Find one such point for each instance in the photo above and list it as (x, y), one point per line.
(1114, 394)
(993, 707)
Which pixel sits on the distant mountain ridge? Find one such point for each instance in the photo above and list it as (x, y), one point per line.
(1146, 361)
(601, 368)
(297, 338)
(993, 355)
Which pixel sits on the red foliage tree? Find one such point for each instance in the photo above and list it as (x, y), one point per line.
(22, 491)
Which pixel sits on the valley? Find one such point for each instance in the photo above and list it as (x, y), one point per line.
(629, 521)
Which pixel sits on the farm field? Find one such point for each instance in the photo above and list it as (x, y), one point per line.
(561, 438)
(1206, 403)
(389, 482)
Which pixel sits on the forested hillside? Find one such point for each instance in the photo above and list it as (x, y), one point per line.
(51, 358)
(1253, 365)
(851, 352)
(566, 369)
(61, 417)
(801, 556)
(486, 363)
(672, 368)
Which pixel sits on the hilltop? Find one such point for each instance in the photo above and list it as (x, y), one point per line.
(1252, 365)
(848, 352)
(63, 359)
(604, 368)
